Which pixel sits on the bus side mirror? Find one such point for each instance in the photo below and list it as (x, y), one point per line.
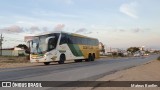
(47, 39)
(27, 51)
(50, 43)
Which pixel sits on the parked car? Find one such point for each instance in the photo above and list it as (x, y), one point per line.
(137, 55)
(146, 54)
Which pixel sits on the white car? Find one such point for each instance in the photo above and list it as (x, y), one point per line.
(146, 54)
(137, 55)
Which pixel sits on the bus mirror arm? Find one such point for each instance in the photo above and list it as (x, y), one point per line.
(47, 39)
(27, 51)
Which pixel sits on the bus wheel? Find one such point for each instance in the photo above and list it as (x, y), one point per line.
(80, 60)
(93, 57)
(75, 60)
(62, 59)
(46, 63)
(89, 58)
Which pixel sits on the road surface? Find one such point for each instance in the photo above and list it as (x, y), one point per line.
(73, 71)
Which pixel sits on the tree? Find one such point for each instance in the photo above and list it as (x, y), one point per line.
(102, 47)
(133, 49)
(23, 46)
(156, 51)
(147, 51)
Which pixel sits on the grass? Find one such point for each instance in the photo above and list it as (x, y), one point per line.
(13, 59)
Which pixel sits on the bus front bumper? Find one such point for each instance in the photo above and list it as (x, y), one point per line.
(42, 59)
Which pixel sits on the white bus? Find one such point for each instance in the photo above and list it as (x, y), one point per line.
(61, 46)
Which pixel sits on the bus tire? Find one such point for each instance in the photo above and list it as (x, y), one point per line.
(75, 60)
(80, 60)
(46, 63)
(89, 58)
(62, 59)
(93, 57)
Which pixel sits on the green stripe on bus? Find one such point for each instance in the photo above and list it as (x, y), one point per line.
(75, 50)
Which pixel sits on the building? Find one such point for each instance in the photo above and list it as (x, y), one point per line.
(13, 51)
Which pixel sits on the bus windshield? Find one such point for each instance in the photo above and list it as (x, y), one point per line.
(38, 45)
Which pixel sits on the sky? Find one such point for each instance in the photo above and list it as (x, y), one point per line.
(116, 23)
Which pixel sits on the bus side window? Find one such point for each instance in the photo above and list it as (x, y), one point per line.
(69, 39)
(64, 39)
(51, 44)
(84, 41)
(96, 42)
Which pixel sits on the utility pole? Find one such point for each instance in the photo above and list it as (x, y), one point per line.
(1, 40)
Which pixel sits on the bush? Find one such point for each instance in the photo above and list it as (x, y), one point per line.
(120, 54)
(158, 58)
(114, 53)
(13, 59)
(21, 54)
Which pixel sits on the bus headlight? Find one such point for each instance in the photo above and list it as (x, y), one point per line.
(44, 55)
(48, 54)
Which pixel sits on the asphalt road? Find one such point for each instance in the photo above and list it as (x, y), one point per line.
(73, 71)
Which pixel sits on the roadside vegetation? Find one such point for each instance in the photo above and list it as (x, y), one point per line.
(13, 59)
(114, 55)
(133, 49)
(158, 58)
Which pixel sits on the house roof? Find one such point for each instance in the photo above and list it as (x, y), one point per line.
(8, 49)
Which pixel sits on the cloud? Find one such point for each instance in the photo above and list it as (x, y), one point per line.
(34, 28)
(37, 29)
(137, 30)
(122, 30)
(17, 29)
(12, 29)
(88, 32)
(45, 29)
(59, 27)
(129, 9)
(81, 30)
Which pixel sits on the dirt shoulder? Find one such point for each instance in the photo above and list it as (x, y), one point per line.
(146, 72)
(13, 62)
(14, 65)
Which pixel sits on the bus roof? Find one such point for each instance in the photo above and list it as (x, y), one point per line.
(74, 34)
(79, 35)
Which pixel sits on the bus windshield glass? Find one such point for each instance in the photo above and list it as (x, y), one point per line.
(38, 45)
